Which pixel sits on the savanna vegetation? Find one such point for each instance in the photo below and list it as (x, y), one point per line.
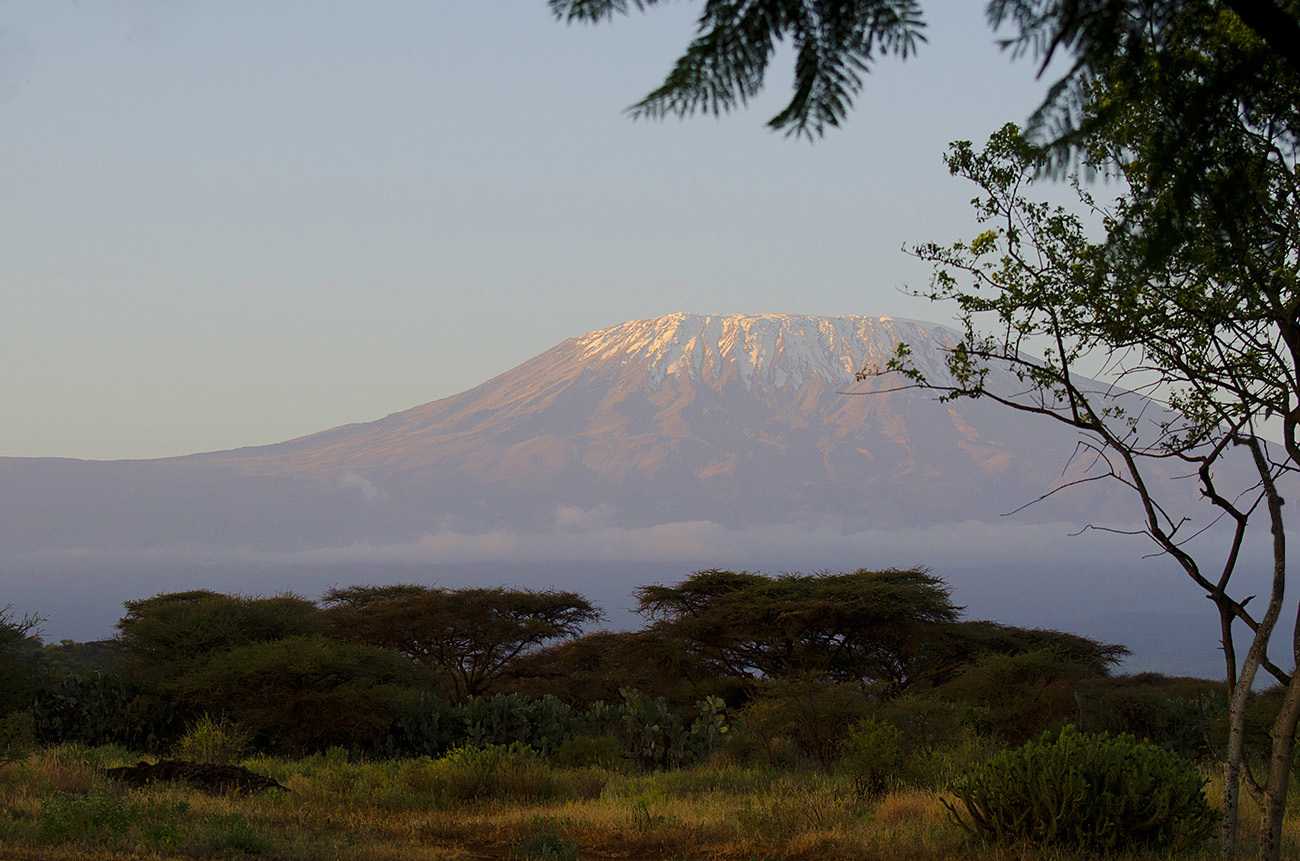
(854, 715)
(1186, 288)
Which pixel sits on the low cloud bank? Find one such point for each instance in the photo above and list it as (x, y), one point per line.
(582, 536)
(1036, 575)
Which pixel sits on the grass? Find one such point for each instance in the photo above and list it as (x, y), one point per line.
(486, 805)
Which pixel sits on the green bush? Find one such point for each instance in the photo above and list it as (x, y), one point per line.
(547, 846)
(103, 709)
(511, 773)
(872, 756)
(423, 726)
(211, 740)
(581, 751)
(1094, 792)
(805, 712)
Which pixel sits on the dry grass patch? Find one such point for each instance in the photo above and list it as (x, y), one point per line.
(468, 808)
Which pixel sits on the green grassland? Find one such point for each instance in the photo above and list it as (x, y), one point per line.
(848, 716)
(55, 803)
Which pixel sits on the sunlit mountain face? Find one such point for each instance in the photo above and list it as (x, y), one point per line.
(736, 420)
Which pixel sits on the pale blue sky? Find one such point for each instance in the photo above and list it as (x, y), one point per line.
(233, 223)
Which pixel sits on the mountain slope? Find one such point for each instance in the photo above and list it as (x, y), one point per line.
(736, 420)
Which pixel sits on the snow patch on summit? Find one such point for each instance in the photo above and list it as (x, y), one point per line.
(766, 351)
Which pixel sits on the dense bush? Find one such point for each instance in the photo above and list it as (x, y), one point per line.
(1019, 696)
(105, 709)
(1089, 791)
(164, 638)
(209, 739)
(423, 725)
(18, 648)
(1181, 715)
(871, 754)
(301, 694)
(803, 715)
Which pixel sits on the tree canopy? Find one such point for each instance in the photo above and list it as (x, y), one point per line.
(1190, 295)
(164, 637)
(466, 637)
(870, 627)
(886, 631)
(836, 44)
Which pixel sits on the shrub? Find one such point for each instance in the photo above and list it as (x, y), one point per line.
(1094, 792)
(212, 740)
(872, 756)
(104, 709)
(580, 751)
(423, 726)
(1022, 695)
(513, 773)
(547, 846)
(805, 711)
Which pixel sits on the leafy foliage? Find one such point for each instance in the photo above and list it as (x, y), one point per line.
(302, 693)
(18, 671)
(872, 753)
(802, 714)
(167, 636)
(1134, 46)
(867, 627)
(106, 709)
(1018, 695)
(468, 638)
(725, 65)
(596, 666)
(1093, 792)
(209, 740)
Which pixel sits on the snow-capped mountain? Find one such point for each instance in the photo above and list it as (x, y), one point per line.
(620, 457)
(736, 420)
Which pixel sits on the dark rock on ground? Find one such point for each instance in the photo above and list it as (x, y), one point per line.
(205, 776)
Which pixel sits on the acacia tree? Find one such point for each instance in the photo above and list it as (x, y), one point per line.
(164, 637)
(867, 627)
(882, 632)
(467, 637)
(1208, 321)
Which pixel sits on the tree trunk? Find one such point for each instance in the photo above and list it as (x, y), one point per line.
(1279, 774)
(1232, 755)
(1232, 759)
(1279, 767)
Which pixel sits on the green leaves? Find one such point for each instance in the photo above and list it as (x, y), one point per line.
(867, 627)
(726, 64)
(466, 637)
(1201, 323)
(1093, 792)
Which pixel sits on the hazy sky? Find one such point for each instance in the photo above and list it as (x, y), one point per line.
(233, 223)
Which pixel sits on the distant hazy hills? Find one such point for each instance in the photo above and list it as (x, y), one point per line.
(683, 441)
